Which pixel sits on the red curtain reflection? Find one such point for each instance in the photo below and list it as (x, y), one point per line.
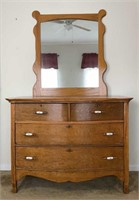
(89, 60)
(49, 60)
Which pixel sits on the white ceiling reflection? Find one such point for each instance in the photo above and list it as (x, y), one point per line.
(69, 31)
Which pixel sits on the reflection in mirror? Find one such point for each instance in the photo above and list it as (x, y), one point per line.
(69, 54)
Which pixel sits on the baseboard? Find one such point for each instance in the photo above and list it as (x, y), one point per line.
(5, 167)
(134, 168)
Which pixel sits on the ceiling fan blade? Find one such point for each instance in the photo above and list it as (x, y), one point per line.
(67, 21)
(86, 29)
(59, 21)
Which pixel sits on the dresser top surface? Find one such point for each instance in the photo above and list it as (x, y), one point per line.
(70, 99)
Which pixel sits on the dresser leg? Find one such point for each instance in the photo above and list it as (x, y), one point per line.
(14, 187)
(125, 188)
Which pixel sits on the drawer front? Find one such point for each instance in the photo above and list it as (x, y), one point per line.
(40, 112)
(97, 111)
(70, 159)
(40, 134)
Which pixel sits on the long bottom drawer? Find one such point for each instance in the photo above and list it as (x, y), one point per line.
(69, 159)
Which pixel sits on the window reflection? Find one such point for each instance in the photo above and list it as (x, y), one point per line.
(49, 78)
(91, 77)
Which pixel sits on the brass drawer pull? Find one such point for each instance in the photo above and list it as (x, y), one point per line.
(97, 112)
(109, 158)
(109, 134)
(29, 158)
(40, 112)
(28, 134)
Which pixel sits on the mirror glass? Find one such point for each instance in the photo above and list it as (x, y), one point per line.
(69, 54)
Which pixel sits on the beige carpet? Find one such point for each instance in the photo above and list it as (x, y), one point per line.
(35, 189)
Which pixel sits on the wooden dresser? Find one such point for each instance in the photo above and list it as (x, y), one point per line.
(69, 138)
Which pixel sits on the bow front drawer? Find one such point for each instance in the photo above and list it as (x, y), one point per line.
(69, 158)
(97, 111)
(69, 134)
(41, 112)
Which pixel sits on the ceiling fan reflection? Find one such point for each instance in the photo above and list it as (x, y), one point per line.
(68, 24)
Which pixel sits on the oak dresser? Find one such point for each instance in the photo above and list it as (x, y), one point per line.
(69, 138)
(70, 133)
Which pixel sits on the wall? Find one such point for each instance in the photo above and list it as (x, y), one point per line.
(18, 55)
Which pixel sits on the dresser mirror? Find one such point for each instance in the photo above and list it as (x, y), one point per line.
(69, 43)
(69, 54)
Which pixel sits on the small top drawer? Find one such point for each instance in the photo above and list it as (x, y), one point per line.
(97, 111)
(40, 112)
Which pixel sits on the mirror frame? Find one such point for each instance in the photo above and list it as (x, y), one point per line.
(102, 89)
